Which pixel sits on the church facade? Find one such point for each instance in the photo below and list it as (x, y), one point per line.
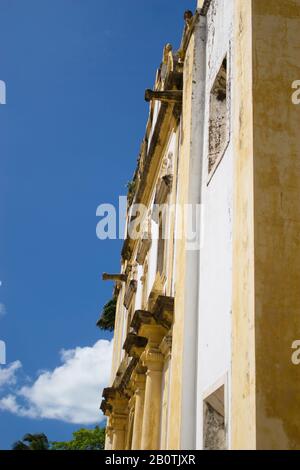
(208, 298)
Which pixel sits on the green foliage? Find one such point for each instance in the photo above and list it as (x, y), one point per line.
(131, 186)
(84, 439)
(32, 442)
(107, 319)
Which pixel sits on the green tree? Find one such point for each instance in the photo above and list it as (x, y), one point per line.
(32, 442)
(83, 439)
(107, 319)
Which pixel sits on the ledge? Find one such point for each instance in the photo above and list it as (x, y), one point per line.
(161, 314)
(109, 392)
(134, 344)
(105, 407)
(163, 310)
(165, 96)
(141, 317)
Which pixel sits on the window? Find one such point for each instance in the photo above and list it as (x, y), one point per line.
(218, 119)
(214, 433)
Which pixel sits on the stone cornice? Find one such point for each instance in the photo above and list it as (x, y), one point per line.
(161, 314)
(106, 408)
(163, 310)
(112, 399)
(147, 170)
(134, 344)
(109, 393)
(141, 317)
(117, 396)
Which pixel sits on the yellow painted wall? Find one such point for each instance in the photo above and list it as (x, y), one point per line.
(276, 64)
(266, 268)
(243, 346)
(180, 292)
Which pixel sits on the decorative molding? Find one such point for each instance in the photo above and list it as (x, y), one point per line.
(167, 165)
(163, 310)
(134, 344)
(169, 78)
(141, 317)
(129, 293)
(163, 189)
(106, 408)
(114, 401)
(144, 247)
(153, 359)
(165, 96)
(114, 277)
(157, 289)
(161, 314)
(119, 421)
(126, 252)
(145, 240)
(187, 34)
(166, 346)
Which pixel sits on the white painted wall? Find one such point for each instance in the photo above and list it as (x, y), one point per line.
(215, 258)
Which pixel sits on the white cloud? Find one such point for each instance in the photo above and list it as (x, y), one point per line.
(9, 403)
(71, 392)
(8, 374)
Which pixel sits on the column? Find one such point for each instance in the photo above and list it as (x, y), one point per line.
(118, 422)
(165, 347)
(119, 429)
(139, 411)
(108, 436)
(153, 360)
(130, 420)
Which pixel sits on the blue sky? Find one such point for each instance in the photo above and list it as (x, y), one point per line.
(75, 72)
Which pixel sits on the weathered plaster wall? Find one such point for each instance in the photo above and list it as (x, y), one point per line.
(177, 385)
(215, 281)
(266, 296)
(243, 357)
(182, 430)
(276, 156)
